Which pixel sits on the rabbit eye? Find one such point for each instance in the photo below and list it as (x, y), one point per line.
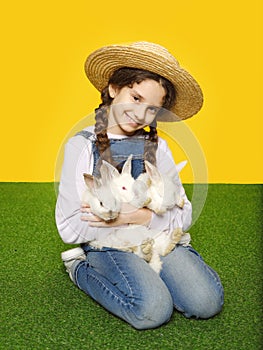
(101, 204)
(124, 188)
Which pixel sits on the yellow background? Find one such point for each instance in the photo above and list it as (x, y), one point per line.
(44, 91)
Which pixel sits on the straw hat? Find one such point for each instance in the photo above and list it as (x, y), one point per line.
(100, 65)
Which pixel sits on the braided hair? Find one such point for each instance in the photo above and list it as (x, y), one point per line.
(121, 78)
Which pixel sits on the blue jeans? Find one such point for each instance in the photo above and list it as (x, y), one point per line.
(125, 285)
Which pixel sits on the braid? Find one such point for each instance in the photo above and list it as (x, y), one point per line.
(102, 141)
(101, 117)
(151, 144)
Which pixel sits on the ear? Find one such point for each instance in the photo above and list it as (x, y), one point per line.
(181, 165)
(152, 171)
(96, 183)
(88, 180)
(112, 91)
(127, 166)
(108, 171)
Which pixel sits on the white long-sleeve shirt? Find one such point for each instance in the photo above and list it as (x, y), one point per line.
(78, 159)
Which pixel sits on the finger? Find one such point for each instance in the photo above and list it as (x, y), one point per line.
(102, 223)
(91, 218)
(85, 205)
(85, 210)
(98, 224)
(84, 218)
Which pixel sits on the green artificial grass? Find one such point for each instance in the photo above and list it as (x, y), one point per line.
(42, 309)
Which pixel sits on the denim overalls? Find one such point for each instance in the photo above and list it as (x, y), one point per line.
(128, 287)
(120, 150)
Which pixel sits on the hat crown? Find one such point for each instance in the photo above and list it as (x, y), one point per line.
(155, 49)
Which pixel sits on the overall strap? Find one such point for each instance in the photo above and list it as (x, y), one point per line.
(85, 133)
(95, 152)
(120, 150)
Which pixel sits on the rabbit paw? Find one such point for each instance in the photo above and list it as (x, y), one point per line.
(146, 248)
(177, 235)
(174, 239)
(181, 203)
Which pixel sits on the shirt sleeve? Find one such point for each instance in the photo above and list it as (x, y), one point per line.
(78, 159)
(176, 217)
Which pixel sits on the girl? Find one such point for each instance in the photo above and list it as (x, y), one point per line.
(139, 84)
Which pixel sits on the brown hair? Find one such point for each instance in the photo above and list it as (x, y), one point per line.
(127, 77)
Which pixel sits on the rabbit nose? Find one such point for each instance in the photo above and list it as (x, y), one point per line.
(113, 214)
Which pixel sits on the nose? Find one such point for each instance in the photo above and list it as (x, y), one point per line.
(140, 111)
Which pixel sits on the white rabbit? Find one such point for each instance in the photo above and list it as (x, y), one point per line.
(146, 243)
(164, 189)
(99, 197)
(106, 194)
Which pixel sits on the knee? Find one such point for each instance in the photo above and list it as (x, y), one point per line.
(153, 312)
(201, 294)
(214, 304)
(206, 305)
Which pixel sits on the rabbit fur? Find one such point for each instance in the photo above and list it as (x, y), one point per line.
(99, 197)
(147, 243)
(106, 194)
(163, 189)
(124, 187)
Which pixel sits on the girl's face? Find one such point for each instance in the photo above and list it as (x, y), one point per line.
(134, 107)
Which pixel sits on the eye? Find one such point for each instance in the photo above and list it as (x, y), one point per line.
(136, 98)
(101, 204)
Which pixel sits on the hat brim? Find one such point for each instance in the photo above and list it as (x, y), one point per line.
(100, 65)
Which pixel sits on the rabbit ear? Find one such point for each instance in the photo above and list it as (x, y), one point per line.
(108, 171)
(104, 173)
(88, 180)
(127, 166)
(96, 183)
(152, 171)
(91, 181)
(181, 165)
(174, 172)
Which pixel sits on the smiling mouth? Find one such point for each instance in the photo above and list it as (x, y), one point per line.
(131, 120)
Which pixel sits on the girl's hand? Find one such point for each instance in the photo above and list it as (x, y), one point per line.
(128, 215)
